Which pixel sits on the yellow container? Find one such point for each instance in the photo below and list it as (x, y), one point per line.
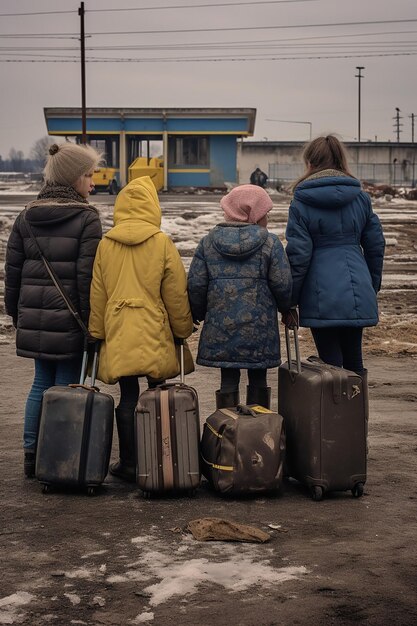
(154, 167)
(106, 179)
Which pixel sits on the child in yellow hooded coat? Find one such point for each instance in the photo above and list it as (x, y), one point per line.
(139, 303)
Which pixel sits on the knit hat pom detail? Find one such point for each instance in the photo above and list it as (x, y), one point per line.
(53, 149)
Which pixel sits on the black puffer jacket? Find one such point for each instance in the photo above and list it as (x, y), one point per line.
(68, 232)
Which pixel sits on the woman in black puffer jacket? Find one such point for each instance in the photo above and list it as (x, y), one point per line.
(68, 231)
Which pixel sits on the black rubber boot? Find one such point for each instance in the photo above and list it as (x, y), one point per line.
(29, 463)
(259, 395)
(226, 399)
(125, 468)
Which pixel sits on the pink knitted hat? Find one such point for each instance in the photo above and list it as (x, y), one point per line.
(247, 203)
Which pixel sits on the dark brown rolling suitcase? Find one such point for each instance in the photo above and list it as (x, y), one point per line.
(242, 450)
(167, 437)
(75, 434)
(326, 424)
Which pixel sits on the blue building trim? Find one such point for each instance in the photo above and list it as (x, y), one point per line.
(152, 125)
(223, 156)
(201, 125)
(73, 125)
(188, 179)
(221, 126)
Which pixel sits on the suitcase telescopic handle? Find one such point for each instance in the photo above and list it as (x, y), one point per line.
(297, 349)
(84, 363)
(182, 363)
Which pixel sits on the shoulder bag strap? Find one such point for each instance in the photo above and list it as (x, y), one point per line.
(56, 280)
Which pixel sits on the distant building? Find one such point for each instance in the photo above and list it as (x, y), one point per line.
(198, 145)
(375, 162)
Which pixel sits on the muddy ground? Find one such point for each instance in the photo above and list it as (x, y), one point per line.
(117, 559)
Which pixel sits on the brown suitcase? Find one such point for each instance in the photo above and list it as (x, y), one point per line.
(242, 450)
(325, 420)
(167, 437)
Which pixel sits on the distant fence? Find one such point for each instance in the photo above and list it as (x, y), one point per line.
(378, 173)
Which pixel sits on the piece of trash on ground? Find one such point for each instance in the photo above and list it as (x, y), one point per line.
(218, 529)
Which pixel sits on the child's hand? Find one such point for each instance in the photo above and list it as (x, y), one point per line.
(290, 319)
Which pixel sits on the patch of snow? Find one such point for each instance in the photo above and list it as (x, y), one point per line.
(86, 573)
(141, 539)
(73, 598)
(238, 574)
(99, 600)
(142, 618)
(10, 605)
(97, 553)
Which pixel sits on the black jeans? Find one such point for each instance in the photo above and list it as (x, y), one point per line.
(231, 378)
(129, 391)
(340, 346)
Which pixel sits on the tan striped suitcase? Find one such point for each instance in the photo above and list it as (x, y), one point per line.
(167, 437)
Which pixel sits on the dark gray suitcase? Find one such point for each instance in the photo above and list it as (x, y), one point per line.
(242, 450)
(167, 437)
(75, 434)
(326, 425)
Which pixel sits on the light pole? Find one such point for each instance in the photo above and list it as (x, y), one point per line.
(81, 13)
(359, 77)
(294, 122)
(412, 126)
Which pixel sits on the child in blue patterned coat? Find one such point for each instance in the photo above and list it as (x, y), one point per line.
(239, 278)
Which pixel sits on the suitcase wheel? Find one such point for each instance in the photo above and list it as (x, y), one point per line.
(46, 488)
(191, 493)
(316, 493)
(146, 495)
(357, 490)
(91, 491)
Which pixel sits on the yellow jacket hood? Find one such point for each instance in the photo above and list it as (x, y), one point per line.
(137, 213)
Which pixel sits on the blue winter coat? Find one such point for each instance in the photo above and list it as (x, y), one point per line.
(335, 248)
(238, 278)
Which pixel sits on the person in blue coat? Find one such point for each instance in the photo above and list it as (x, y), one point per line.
(336, 249)
(239, 277)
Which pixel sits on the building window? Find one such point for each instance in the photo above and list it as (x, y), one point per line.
(107, 146)
(188, 151)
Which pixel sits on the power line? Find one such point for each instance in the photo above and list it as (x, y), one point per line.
(199, 6)
(156, 8)
(240, 28)
(35, 13)
(363, 47)
(210, 30)
(211, 59)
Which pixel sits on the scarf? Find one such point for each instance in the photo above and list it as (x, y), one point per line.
(53, 191)
(324, 173)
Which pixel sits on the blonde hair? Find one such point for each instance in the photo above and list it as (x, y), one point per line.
(68, 161)
(324, 153)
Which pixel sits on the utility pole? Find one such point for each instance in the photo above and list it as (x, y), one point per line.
(397, 124)
(412, 126)
(81, 13)
(359, 77)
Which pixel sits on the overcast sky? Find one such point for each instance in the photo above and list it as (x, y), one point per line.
(264, 73)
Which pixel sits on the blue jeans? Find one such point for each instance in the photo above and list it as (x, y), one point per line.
(47, 374)
(340, 346)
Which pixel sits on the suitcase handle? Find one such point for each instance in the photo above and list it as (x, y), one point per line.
(180, 342)
(297, 349)
(243, 409)
(84, 364)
